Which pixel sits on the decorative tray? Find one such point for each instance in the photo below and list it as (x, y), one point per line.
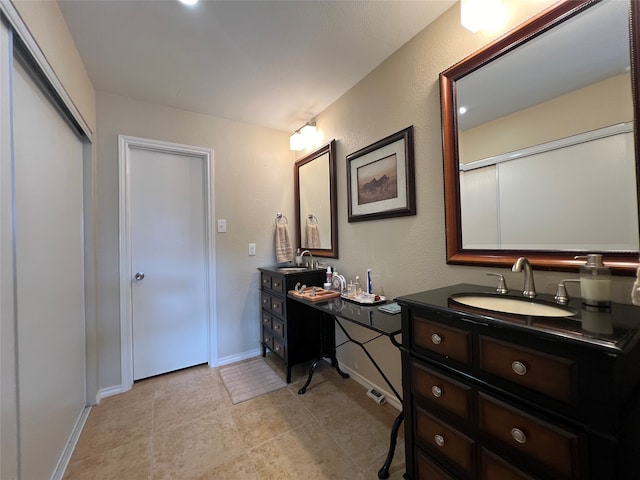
(315, 294)
(363, 300)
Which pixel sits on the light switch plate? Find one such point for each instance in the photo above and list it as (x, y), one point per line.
(252, 249)
(222, 226)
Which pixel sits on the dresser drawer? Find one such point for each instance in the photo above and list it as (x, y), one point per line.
(427, 470)
(279, 347)
(447, 341)
(442, 391)
(547, 444)
(278, 327)
(278, 305)
(277, 284)
(495, 468)
(266, 320)
(547, 374)
(266, 301)
(266, 280)
(445, 440)
(267, 338)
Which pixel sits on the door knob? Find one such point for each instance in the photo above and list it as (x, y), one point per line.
(139, 276)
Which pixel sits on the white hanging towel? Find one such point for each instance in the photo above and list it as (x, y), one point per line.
(284, 248)
(313, 236)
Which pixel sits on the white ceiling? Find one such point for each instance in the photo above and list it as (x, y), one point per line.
(271, 63)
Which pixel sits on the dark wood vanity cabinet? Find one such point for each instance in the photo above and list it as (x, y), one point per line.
(514, 397)
(286, 329)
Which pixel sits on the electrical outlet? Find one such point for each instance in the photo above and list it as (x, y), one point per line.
(222, 226)
(252, 249)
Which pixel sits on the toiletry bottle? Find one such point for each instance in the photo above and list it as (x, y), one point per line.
(358, 288)
(298, 258)
(595, 282)
(369, 282)
(329, 275)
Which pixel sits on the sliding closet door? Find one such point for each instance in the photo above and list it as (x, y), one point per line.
(49, 276)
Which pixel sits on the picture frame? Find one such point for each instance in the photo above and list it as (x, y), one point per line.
(381, 179)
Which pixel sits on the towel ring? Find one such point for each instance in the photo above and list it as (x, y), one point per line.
(279, 218)
(310, 219)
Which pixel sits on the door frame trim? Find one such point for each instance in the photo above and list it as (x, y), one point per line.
(125, 145)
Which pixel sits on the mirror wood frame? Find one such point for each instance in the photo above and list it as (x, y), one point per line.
(329, 148)
(623, 263)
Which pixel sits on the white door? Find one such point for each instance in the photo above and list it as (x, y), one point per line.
(169, 301)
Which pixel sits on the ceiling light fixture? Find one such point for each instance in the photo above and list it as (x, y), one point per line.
(188, 2)
(481, 14)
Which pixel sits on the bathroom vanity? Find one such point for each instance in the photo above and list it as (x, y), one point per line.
(489, 395)
(287, 329)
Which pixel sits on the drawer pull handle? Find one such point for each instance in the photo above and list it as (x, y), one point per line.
(275, 306)
(436, 391)
(436, 339)
(439, 439)
(518, 368)
(277, 349)
(276, 284)
(518, 435)
(267, 339)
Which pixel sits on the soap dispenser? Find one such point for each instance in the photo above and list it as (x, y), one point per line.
(595, 282)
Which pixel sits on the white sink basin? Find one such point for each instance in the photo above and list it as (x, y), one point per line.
(518, 306)
(292, 269)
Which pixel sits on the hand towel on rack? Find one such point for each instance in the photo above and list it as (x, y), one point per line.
(313, 236)
(284, 248)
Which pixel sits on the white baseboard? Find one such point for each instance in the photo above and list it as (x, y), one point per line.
(63, 462)
(390, 397)
(110, 391)
(239, 357)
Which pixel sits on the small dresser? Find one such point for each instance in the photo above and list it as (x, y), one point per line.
(288, 330)
(495, 396)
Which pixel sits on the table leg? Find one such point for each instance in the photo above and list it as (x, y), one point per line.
(384, 471)
(334, 364)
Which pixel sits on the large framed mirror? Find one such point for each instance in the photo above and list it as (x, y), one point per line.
(315, 196)
(540, 141)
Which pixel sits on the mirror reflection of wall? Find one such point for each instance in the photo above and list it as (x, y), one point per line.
(315, 202)
(546, 154)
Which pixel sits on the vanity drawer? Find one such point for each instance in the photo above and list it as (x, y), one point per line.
(544, 373)
(445, 440)
(266, 301)
(427, 470)
(447, 341)
(267, 338)
(277, 284)
(547, 444)
(278, 327)
(495, 468)
(443, 391)
(279, 347)
(266, 320)
(278, 305)
(266, 280)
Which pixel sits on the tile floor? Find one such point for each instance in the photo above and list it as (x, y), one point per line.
(183, 426)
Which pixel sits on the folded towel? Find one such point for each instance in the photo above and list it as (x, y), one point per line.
(284, 248)
(313, 236)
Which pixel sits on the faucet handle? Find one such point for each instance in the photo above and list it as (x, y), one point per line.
(502, 284)
(561, 293)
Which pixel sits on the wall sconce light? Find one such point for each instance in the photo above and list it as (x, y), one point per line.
(481, 14)
(305, 137)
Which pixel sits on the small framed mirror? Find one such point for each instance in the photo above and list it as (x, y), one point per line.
(316, 202)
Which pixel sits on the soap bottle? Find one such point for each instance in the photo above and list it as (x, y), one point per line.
(298, 258)
(595, 282)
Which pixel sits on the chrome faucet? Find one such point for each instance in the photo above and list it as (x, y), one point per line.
(309, 265)
(529, 287)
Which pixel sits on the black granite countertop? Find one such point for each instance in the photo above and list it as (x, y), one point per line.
(617, 329)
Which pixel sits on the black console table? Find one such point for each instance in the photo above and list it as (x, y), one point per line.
(337, 311)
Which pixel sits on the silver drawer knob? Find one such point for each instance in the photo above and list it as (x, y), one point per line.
(436, 391)
(436, 339)
(518, 435)
(518, 368)
(439, 439)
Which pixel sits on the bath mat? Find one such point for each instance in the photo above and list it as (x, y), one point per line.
(248, 380)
